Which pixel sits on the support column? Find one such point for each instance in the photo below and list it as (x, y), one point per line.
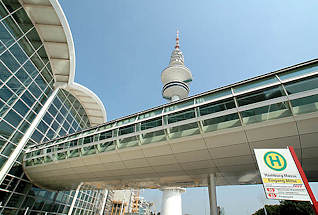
(171, 201)
(212, 194)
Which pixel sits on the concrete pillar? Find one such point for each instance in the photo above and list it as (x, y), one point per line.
(212, 194)
(171, 201)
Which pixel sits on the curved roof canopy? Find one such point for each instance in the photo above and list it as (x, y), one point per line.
(51, 24)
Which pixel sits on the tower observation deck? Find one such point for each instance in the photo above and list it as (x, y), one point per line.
(176, 76)
(180, 143)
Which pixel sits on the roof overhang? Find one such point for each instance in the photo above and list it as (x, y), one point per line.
(93, 106)
(54, 31)
(51, 24)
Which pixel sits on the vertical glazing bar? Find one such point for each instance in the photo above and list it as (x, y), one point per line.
(15, 154)
(74, 198)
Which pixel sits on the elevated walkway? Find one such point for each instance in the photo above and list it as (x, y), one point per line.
(180, 143)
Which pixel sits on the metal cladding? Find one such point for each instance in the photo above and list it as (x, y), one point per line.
(176, 76)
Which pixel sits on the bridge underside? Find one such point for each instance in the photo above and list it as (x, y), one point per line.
(187, 161)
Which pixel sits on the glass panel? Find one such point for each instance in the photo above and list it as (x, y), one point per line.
(15, 201)
(88, 150)
(4, 72)
(18, 53)
(184, 115)
(126, 130)
(28, 99)
(151, 123)
(13, 118)
(21, 108)
(37, 161)
(6, 38)
(213, 95)
(30, 69)
(89, 131)
(216, 107)
(305, 105)
(222, 122)
(73, 153)
(298, 72)
(28, 202)
(107, 146)
(150, 114)
(5, 129)
(9, 61)
(23, 187)
(302, 85)
(61, 155)
(35, 90)
(48, 158)
(15, 85)
(256, 84)
(105, 135)
(260, 96)
(184, 130)
(3, 108)
(125, 121)
(88, 139)
(23, 20)
(12, 27)
(8, 149)
(128, 142)
(2, 161)
(273, 111)
(26, 46)
(179, 105)
(152, 137)
(11, 5)
(34, 38)
(40, 82)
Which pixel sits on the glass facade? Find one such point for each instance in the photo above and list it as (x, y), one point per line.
(270, 97)
(26, 84)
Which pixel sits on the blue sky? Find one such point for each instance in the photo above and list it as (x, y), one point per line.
(122, 46)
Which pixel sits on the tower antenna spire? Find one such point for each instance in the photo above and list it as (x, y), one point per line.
(177, 40)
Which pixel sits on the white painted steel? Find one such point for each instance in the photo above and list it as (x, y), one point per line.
(75, 198)
(171, 201)
(52, 26)
(104, 202)
(15, 154)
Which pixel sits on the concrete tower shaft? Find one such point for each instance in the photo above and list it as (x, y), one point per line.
(176, 76)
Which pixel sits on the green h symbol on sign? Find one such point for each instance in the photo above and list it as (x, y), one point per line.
(275, 160)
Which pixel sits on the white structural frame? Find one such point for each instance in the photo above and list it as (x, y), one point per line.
(75, 198)
(63, 60)
(15, 154)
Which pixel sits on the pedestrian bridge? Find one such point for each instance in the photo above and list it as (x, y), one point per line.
(180, 143)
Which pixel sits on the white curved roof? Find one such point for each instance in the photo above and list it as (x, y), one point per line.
(94, 107)
(54, 31)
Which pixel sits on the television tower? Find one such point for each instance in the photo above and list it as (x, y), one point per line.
(175, 79)
(176, 76)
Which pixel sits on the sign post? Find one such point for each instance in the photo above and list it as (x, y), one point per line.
(282, 176)
(304, 178)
